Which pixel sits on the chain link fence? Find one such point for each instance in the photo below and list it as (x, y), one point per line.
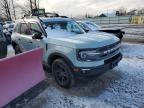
(119, 20)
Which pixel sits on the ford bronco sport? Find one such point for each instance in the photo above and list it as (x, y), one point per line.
(69, 51)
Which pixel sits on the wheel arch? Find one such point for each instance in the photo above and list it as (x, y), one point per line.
(56, 55)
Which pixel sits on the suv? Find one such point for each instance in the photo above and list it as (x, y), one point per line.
(69, 51)
(3, 45)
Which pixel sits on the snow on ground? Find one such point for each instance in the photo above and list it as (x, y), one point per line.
(133, 50)
(10, 51)
(121, 87)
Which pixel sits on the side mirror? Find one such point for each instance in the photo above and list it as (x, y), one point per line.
(37, 36)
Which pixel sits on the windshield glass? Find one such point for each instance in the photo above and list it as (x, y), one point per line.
(64, 26)
(11, 26)
(92, 26)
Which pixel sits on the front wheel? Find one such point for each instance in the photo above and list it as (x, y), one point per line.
(62, 73)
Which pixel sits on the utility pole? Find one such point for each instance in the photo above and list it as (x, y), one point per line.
(14, 10)
(35, 3)
(38, 4)
(31, 7)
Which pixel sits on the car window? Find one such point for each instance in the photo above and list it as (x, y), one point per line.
(84, 26)
(36, 27)
(65, 26)
(92, 26)
(24, 29)
(11, 26)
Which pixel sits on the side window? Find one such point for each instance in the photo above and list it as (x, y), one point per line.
(24, 29)
(36, 27)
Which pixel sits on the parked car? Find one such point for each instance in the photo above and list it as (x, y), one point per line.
(92, 27)
(69, 51)
(9, 27)
(7, 36)
(3, 45)
(8, 22)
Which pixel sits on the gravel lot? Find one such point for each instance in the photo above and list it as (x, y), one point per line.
(121, 87)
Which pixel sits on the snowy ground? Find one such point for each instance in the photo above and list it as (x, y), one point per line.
(122, 87)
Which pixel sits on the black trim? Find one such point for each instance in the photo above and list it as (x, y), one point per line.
(99, 49)
(92, 70)
(98, 70)
(59, 55)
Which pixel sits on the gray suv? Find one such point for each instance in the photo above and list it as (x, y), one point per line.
(69, 51)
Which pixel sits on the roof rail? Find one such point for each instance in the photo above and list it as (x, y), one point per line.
(41, 13)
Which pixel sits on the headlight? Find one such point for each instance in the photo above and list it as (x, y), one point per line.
(88, 55)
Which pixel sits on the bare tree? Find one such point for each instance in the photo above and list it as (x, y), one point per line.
(141, 11)
(34, 4)
(29, 6)
(122, 11)
(5, 9)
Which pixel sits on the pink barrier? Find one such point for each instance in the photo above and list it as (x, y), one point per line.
(20, 73)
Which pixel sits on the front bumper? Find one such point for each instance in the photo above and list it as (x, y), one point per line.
(108, 64)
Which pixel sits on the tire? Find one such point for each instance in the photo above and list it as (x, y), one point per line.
(3, 50)
(17, 49)
(62, 73)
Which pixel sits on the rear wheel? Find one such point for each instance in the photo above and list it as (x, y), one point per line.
(62, 73)
(17, 49)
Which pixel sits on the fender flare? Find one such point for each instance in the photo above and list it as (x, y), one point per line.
(57, 55)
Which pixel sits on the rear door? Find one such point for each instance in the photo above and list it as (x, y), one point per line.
(3, 45)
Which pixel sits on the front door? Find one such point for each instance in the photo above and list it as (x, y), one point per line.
(39, 42)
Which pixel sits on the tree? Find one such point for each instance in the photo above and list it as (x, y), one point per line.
(121, 11)
(5, 9)
(29, 6)
(141, 11)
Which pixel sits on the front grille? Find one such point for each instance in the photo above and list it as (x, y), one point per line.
(108, 47)
(113, 58)
(108, 50)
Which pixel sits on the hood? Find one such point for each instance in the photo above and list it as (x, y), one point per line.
(86, 40)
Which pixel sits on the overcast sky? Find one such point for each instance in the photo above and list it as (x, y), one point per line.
(80, 7)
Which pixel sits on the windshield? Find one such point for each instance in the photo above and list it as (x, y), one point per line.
(11, 26)
(64, 26)
(92, 26)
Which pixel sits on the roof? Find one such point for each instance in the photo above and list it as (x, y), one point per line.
(27, 20)
(44, 19)
(56, 19)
